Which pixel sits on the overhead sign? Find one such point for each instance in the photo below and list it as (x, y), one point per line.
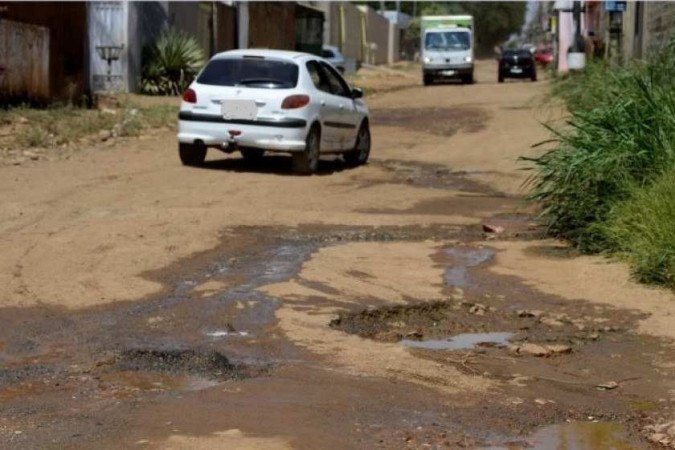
(615, 6)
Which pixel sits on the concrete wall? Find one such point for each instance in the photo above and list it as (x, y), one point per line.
(343, 28)
(646, 27)
(659, 24)
(377, 36)
(361, 34)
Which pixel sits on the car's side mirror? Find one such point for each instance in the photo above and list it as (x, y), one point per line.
(357, 93)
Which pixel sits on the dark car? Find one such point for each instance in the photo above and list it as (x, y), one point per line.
(517, 64)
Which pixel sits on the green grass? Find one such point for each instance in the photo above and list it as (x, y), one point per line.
(618, 141)
(642, 230)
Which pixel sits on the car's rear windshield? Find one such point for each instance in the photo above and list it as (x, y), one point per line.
(255, 72)
(518, 53)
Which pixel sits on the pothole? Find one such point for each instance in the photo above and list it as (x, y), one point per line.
(209, 364)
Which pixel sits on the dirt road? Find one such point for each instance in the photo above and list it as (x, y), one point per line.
(150, 305)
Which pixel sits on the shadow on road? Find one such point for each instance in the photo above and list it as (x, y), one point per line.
(275, 165)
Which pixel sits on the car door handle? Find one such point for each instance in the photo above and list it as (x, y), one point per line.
(323, 103)
(342, 106)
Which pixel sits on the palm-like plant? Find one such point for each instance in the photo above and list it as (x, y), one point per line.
(170, 63)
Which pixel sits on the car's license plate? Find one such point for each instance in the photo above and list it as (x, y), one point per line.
(239, 109)
(448, 72)
(516, 70)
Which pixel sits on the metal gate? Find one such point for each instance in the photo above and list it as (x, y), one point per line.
(108, 32)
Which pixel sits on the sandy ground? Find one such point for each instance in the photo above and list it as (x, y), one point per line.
(120, 246)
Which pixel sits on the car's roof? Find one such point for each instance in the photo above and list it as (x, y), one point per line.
(281, 54)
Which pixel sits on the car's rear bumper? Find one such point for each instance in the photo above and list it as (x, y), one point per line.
(526, 72)
(284, 135)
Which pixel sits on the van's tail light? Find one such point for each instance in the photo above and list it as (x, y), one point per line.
(190, 96)
(295, 101)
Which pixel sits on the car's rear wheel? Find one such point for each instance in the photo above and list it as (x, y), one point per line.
(500, 78)
(192, 154)
(361, 150)
(252, 154)
(533, 77)
(427, 80)
(307, 161)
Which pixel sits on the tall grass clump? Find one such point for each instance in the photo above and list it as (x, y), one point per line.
(619, 138)
(642, 229)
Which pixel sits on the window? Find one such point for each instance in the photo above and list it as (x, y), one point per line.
(447, 40)
(318, 76)
(328, 53)
(338, 86)
(251, 71)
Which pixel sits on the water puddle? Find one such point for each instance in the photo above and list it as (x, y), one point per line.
(576, 436)
(457, 275)
(461, 341)
(224, 333)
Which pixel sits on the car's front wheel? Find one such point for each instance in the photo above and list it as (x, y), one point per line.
(192, 154)
(307, 161)
(500, 77)
(427, 80)
(361, 150)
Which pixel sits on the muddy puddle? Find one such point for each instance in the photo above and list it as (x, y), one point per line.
(577, 436)
(436, 177)
(461, 341)
(465, 258)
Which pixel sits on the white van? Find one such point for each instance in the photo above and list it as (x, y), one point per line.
(447, 48)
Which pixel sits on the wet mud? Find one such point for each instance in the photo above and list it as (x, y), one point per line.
(212, 333)
(556, 360)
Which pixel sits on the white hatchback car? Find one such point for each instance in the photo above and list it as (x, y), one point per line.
(255, 101)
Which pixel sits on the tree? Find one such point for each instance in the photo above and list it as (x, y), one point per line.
(494, 21)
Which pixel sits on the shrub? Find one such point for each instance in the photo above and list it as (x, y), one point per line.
(642, 228)
(170, 64)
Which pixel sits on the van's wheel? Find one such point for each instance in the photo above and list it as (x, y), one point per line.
(361, 150)
(307, 161)
(252, 154)
(192, 154)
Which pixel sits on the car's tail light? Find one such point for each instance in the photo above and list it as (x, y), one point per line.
(295, 101)
(190, 96)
